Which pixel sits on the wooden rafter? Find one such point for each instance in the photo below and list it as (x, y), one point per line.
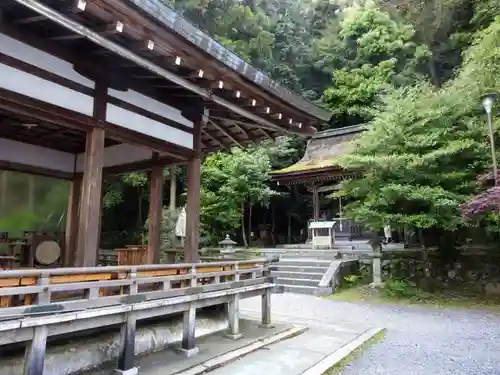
(225, 132)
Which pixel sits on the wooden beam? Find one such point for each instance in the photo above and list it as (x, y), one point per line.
(226, 133)
(155, 214)
(72, 215)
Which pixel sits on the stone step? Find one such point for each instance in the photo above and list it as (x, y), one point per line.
(298, 275)
(300, 268)
(299, 289)
(300, 282)
(303, 262)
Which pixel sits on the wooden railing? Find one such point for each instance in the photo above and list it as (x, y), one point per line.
(40, 303)
(83, 288)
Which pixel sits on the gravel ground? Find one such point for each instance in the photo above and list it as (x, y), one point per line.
(419, 340)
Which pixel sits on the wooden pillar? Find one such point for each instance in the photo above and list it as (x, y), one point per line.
(192, 241)
(315, 203)
(126, 356)
(266, 309)
(72, 215)
(155, 214)
(233, 311)
(188, 345)
(4, 189)
(90, 205)
(173, 189)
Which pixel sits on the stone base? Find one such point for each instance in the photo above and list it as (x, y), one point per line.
(132, 371)
(233, 336)
(267, 326)
(188, 352)
(376, 285)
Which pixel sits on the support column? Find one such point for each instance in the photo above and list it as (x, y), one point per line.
(90, 205)
(127, 347)
(188, 346)
(173, 190)
(155, 214)
(34, 357)
(233, 311)
(91, 201)
(72, 215)
(192, 240)
(376, 261)
(266, 309)
(315, 203)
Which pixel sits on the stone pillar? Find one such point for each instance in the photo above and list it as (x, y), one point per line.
(233, 310)
(155, 214)
(188, 346)
(34, 358)
(72, 215)
(376, 261)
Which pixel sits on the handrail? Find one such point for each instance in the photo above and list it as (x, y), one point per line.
(146, 267)
(63, 289)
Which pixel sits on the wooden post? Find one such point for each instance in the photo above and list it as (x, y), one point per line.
(188, 346)
(155, 214)
(71, 239)
(192, 241)
(34, 358)
(127, 347)
(126, 357)
(90, 205)
(3, 190)
(233, 310)
(173, 189)
(315, 203)
(266, 309)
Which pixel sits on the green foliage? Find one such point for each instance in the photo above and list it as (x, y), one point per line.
(229, 182)
(425, 149)
(370, 54)
(399, 289)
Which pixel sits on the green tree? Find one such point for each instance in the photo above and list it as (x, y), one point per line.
(371, 54)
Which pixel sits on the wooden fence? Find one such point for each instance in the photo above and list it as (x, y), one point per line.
(40, 303)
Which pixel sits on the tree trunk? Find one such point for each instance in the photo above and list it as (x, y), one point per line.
(289, 230)
(250, 206)
(433, 73)
(139, 215)
(273, 238)
(243, 224)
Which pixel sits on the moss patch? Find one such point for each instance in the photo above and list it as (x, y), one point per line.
(309, 165)
(338, 367)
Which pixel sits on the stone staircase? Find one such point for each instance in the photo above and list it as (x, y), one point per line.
(300, 275)
(302, 270)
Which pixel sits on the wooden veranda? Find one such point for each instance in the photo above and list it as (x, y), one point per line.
(91, 87)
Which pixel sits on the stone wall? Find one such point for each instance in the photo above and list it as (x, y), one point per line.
(477, 272)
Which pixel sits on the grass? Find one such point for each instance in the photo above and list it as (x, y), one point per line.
(464, 299)
(339, 366)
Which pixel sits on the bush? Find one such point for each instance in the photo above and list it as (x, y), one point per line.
(399, 289)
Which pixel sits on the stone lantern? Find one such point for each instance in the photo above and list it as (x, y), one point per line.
(227, 245)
